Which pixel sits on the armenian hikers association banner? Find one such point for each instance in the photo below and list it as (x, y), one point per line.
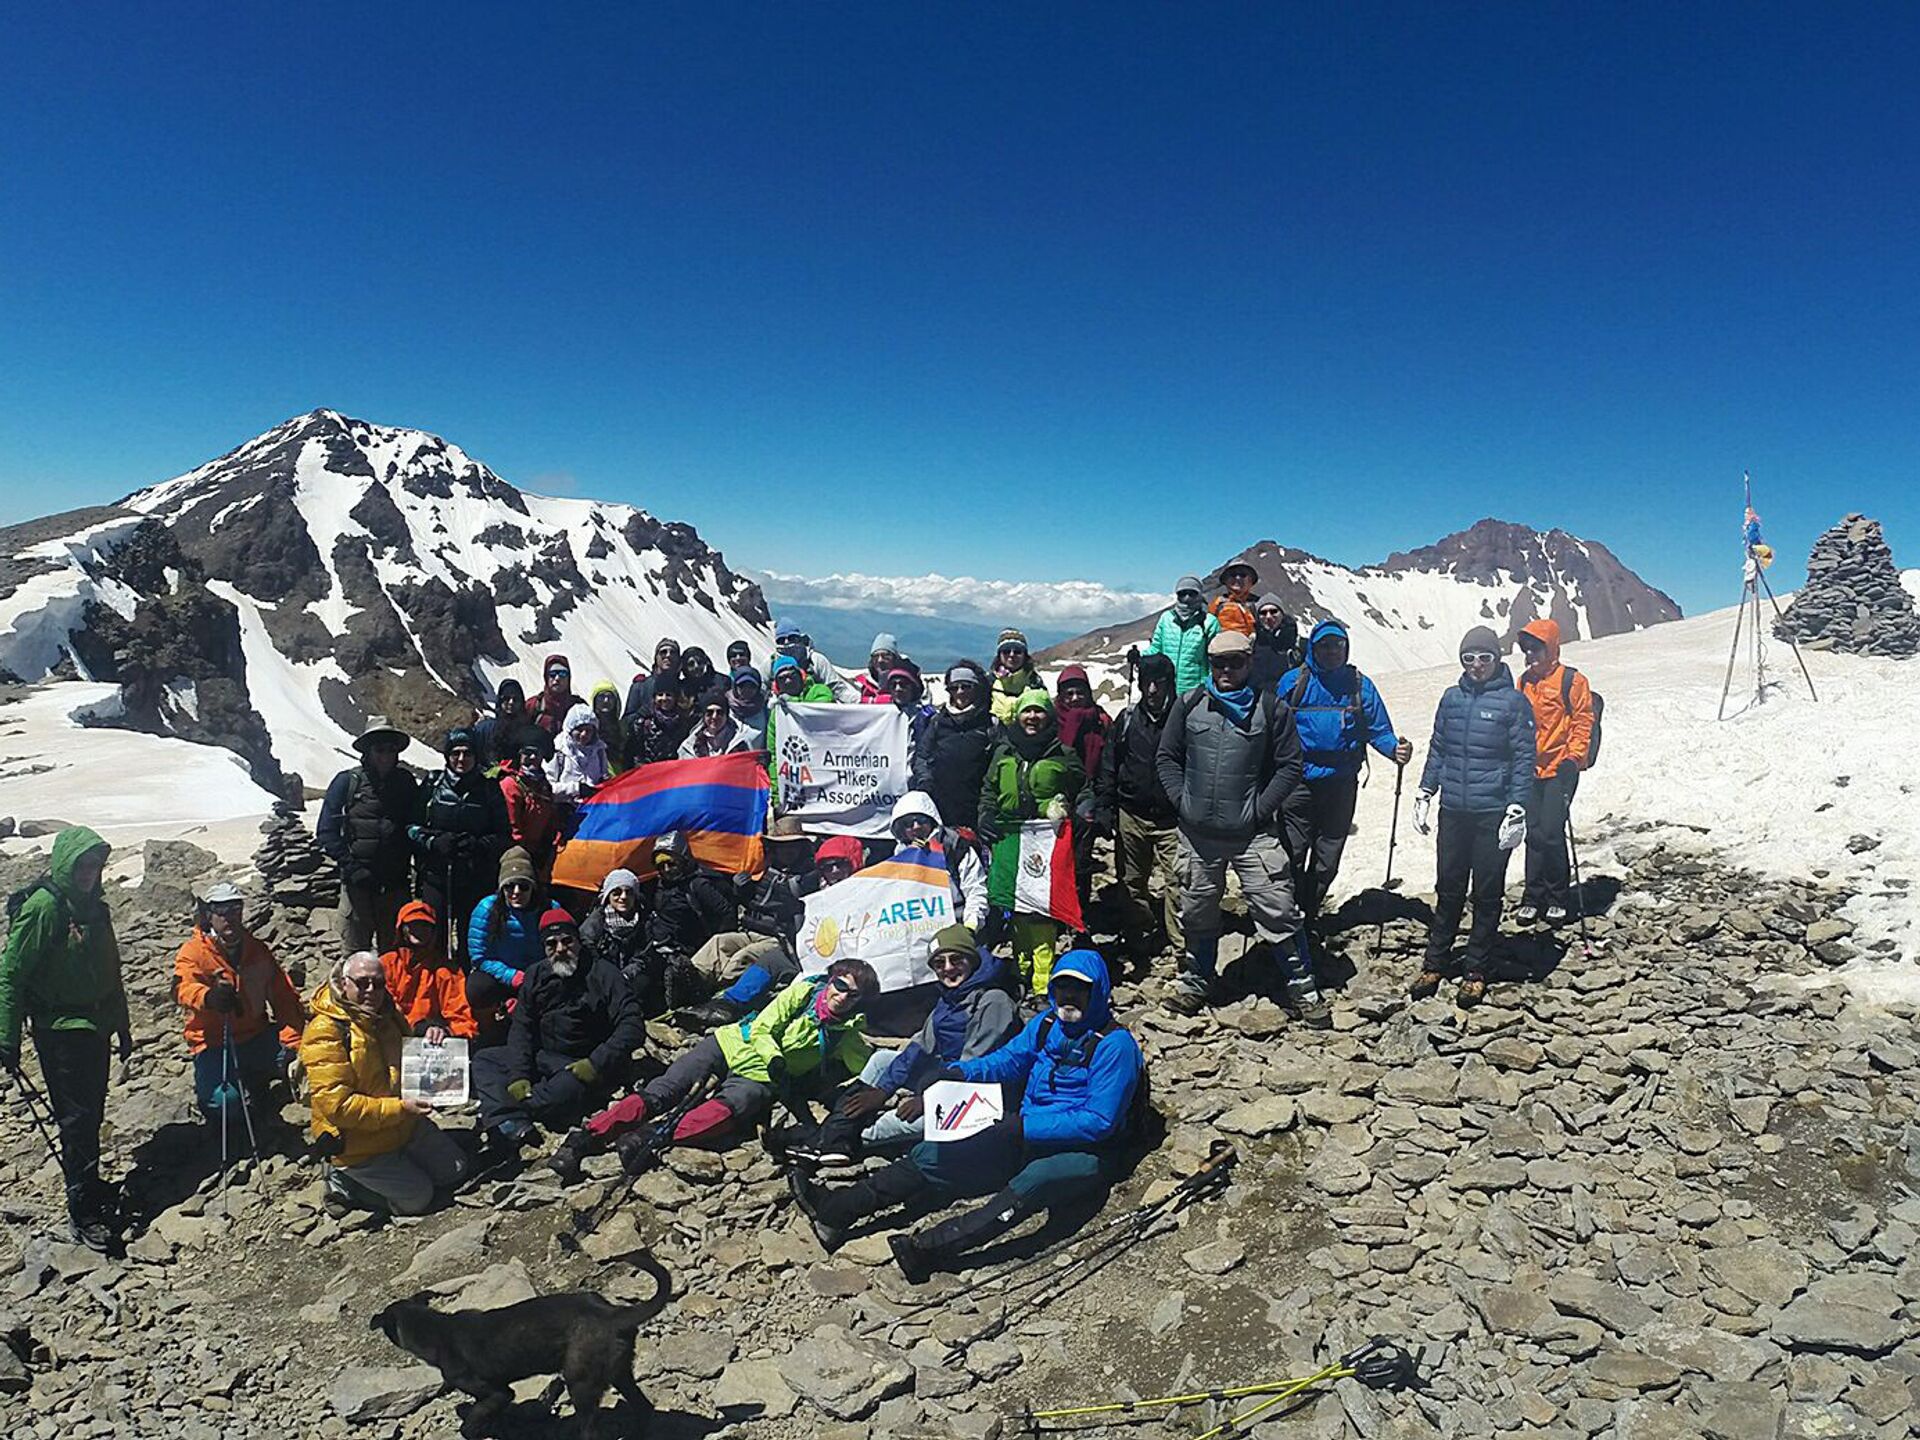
(1032, 873)
(719, 803)
(840, 767)
(886, 915)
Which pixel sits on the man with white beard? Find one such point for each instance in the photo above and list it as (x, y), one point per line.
(570, 1046)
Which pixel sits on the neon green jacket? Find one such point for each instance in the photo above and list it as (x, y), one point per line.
(61, 967)
(785, 1041)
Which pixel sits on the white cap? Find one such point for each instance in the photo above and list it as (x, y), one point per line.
(222, 892)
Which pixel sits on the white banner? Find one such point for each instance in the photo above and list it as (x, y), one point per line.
(885, 915)
(840, 767)
(959, 1110)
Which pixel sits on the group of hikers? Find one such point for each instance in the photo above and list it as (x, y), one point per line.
(1241, 753)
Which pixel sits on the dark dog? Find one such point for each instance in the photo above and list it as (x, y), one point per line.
(585, 1340)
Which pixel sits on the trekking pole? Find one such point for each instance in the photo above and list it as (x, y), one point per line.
(240, 1085)
(226, 1056)
(35, 1103)
(1579, 887)
(659, 1137)
(1393, 839)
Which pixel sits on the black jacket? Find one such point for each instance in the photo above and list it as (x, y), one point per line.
(652, 736)
(589, 1015)
(1128, 778)
(1275, 653)
(363, 825)
(463, 831)
(951, 760)
(684, 915)
(775, 904)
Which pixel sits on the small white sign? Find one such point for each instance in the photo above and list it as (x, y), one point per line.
(958, 1109)
(436, 1074)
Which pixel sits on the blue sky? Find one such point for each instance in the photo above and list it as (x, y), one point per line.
(1022, 291)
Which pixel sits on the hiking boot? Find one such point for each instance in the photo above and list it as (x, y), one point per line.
(637, 1153)
(817, 1155)
(1473, 989)
(1186, 1000)
(807, 1196)
(1526, 912)
(565, 1162)
(94, 1231)
(1557, 915)
(1305, 1003)
(1426, 983)
(711, 1015)
(915, 1263)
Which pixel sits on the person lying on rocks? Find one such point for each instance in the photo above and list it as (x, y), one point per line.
(1078, 1075)
(809, 1039)
(974, 1015)
(570, 1044)
(760, 957)
(428, 988)
(242, 1010)
(382, 1152)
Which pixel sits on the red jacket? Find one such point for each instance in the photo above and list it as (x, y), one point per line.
(1563, 728)
(531, 816)
(427, 987)
(264, 991)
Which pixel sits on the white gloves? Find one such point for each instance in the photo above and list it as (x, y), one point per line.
(1422, 808)
(1513, 828)
(1057, 811)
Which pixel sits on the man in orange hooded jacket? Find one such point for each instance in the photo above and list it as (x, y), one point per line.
(1563, 729)
(228, 982)
(429, 990)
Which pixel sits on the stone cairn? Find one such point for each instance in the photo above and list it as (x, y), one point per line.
(302, 888)
(1853, 600)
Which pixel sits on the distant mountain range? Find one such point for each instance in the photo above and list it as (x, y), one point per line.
(1409, 611)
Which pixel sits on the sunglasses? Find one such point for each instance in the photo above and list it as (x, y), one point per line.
(363, 982)
(1186, 594)
(1013, 649)
(227, 909)
(958, 685)
(1477, 657)
(950, 960)
(1228, 662)
(555, 942)
(845, 984)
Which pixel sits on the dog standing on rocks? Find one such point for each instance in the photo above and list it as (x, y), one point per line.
(584, 1339)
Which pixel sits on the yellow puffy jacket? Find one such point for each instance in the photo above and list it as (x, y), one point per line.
(353, 1080)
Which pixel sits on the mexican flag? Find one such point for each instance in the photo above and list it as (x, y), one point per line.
(1032, 873)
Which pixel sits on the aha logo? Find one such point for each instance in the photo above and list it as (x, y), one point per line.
(796, 760)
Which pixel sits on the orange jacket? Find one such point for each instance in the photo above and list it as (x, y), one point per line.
(427, 988)
(1562, 730)
(264, 989)
(1232, 614)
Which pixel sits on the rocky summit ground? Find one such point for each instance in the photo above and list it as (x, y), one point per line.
(1664, 1189)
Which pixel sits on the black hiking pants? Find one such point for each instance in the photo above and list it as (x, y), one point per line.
(1469, 856)
(1319, 817)
(75, 1065)
(1547, 873)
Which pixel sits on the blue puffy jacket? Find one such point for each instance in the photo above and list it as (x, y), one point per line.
(515, 948)
(1482, 753)
(1079, 1089)
(1331, 743)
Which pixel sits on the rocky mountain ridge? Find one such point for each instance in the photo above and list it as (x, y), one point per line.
(1409, 611)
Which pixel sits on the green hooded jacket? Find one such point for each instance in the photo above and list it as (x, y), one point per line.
(62, 963)
(787, 1037)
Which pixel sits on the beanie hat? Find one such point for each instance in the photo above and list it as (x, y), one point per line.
(788, 629)
(1034, 699)
(952, 939)
(506, 686)
(784, 662)
(1230, 642)
(886, 642)
(1075, 672)
(1269, 599)
(839, 847)
(516, 864)
(557, 919)
(747, 675)
(1011, 636)
(966, 671)
(1186, 582)
(1156, 665)
(456, 737)
(1481, 638)
(618, 880)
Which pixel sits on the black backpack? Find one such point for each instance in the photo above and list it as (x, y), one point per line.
(19, 898)
(1567, 672)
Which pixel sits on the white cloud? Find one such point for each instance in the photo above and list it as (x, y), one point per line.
(1082, 604)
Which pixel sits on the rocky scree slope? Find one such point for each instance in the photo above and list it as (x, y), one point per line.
(1663, 1193)
(331, 569)
(1409, 611)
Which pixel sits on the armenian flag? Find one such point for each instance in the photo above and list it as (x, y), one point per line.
(720, 804)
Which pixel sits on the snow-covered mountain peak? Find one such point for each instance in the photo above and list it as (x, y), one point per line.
(373, 569)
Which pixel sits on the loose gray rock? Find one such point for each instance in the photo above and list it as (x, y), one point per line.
(843, 1376)
(361, 1394)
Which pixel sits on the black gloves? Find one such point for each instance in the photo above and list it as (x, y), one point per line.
(223, 997)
